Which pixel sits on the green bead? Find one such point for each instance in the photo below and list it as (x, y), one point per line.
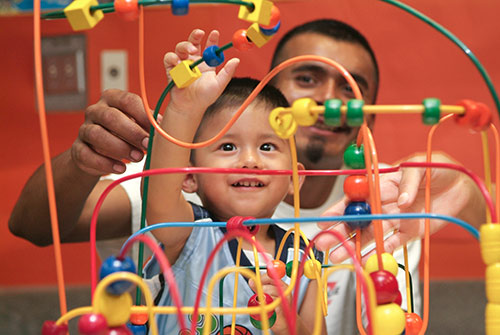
(354, 157)
(432, 111)
(289, 266)
(258, 324)
(332, 112)
(355, 112)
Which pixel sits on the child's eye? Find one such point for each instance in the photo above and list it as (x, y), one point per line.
(227, 147)
(267, 147)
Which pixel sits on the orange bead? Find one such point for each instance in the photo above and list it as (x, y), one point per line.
(413, 324)
(356, 188)
(477, 115)
(275, 18)
(127, 9)
(240, 40)
(278, 266)
(139, 318)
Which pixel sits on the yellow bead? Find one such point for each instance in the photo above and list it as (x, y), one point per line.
(256, 36)
(301, 110)
(115, 308)
(493, 283)
(79, 16)
(283, 123)
(492, 316)
(490, 242)
(310, 268)
(389, 319)
(389, 262)
(261, 13)
(183, 75)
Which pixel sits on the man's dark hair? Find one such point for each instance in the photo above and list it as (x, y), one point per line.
(334, 29)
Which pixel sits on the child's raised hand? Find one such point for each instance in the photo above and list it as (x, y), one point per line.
(205, 90)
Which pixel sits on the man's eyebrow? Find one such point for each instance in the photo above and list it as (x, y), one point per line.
(360, 80)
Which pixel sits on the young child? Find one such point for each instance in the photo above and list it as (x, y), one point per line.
(196, 114)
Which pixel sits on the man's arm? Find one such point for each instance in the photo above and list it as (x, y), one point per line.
(114, 129)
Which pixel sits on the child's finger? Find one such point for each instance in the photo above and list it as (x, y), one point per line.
(196, 37)
(186, 49)
(170, 60)
(213, 38)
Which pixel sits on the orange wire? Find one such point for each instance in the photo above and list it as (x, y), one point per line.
(359, 316)
(497, 170)
(46, 157)
(245, 104)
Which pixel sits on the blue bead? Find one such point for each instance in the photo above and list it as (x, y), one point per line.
(180, 7)
(270, 31)
(211, 57)
(137, 329)
(358, 208)
(113, 264)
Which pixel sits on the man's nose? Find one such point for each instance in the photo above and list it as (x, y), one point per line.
(325, 91)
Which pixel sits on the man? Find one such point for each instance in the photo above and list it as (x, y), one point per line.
(115, 129)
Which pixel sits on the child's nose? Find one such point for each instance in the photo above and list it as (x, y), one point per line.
(250, 159)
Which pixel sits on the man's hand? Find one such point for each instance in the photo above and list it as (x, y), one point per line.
(115, 129)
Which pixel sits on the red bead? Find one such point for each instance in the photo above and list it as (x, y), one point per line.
(127, 9)
(139, 318)
(51, 328)
(92, 324)
(236, 223)
(356, 188)
(121, 330)
(399, 299)
(413, 324)
(386, 286)
(240, 40)
(254, 301)
(275, 18)
(477, 115)
(278, 266)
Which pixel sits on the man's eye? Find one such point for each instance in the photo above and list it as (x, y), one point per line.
(267, 147)
(305, 80)
(227, 147)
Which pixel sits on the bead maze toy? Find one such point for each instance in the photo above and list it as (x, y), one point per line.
(113, 311)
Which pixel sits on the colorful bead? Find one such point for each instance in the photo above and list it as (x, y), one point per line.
(260, 14)
(114, 264)
(399, 299)
(254, 302)
(139, 318)
(354, 157)
(180, 7)
(301, 110)
(356, 187)
(492, 317)
(358, 208)
(386, 286)
(311, 268)
(255, 35)
(432, 111)
(332, 112)
(278, 266)
(274, 20)
(493, 283)
(490, 243)
(183, 75)
(92, 324)
(115, 308)
(50, 327)
(271, 31)
(289, 267)
(389, 320)
(241, 41)
(137, 329)
(236, 223)
(213, 56)
(283, 123)
(414, 324)
(477, 115)
(79, 15)
(127, 9)
(354, 117)
(259, 324)
(390, 263)
(120, 330)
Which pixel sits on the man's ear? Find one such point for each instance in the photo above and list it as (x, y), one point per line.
(300, 166)
(190, 183)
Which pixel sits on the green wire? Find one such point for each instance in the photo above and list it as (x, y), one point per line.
(109, 7)
(455, 40)
(145, 185)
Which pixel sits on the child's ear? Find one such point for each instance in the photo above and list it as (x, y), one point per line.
(190, 184)
(300, 166)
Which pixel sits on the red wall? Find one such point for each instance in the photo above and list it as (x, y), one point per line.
(415, 61)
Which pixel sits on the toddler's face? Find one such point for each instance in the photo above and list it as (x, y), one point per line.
(251, 143)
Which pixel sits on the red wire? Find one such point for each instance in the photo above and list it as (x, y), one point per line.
(166, 268)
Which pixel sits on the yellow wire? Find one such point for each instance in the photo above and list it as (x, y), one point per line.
(409, 297)
(487, 168)
(236, 280)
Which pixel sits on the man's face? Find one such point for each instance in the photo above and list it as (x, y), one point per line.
(321, 146)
